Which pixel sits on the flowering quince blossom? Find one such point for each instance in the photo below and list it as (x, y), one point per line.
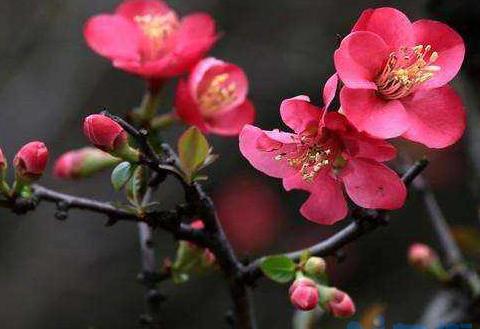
(145, 37)
(104, 133)
(341, 305)
(324, 153)
(304, 294)
(214, 98)
(31, 160)
(396, 73)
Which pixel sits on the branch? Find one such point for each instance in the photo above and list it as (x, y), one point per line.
(364, 221)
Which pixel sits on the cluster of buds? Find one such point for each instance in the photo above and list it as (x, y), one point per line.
(29, 164)
(307, 291)
(191, 258)
(426, 260)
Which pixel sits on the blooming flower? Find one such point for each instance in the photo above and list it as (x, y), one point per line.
(324, 153)
(145, 37)
(82, 162)
(396, 73)
(304, 294)
(214, 98)
(30, 161)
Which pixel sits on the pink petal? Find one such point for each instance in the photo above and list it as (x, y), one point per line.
(298, 113)
(336, 121)
(368, 112)
(131, 8)
(253, 142)
(113, 37)
(186, 108)
(195, 37)
(437, 117)
(326, 203)
(372, 185)
(201, 80)
(390, 24)
(360, 58)
(361, 145)
(330, 90)
(231, 123)
(447, 43)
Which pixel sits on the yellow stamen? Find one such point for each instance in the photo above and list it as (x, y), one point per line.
(218, 94)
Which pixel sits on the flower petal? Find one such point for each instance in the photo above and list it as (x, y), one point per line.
(368, 112)
(231, 123)
(329, 90)
(298, 113)
(362, 145)
(449, 46)
(360, 58)
(131, 8)
(437, 117)
(373, 185)
(260, 151)
(390, 24)
(186, 108)
(195, 37)
(113, 37)
(326, 203)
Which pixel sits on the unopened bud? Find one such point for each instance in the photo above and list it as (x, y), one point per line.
(315, 266)
(421, 256)
(341, 305)
(3, 165)
(304, 294)
(109, 136)
(30, 161)
(83, 163)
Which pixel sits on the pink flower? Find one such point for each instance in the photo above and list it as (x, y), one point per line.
(214, 98)
(104, 133)
(341, 305)
(396, 73)
(324, 153)
(30, 161)
(304, 294)
(145, 37)
(421, 256)
(82, 162)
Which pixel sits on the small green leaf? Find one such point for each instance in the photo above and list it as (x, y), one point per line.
(121, 174)
(137, 186)
(279, 268)
(193, 150)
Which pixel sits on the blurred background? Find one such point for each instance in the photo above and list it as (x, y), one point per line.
(80, 274)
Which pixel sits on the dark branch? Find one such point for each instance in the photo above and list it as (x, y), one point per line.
(364, 221)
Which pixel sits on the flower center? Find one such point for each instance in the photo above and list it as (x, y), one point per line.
(157, 28)
(405, 69)
(218, 93)
(310, 156)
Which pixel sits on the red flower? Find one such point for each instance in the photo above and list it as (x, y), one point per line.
(31, 160)
(104, 133)
(324, 153)
(304, 294)
(396, 73)
(145, 37)
(214, 98)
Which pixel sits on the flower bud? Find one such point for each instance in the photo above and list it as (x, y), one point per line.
(421, 256)
(104, 133)
(315, 266)
(82, 163)
(304, 294)
(30, 161)
(341, 305)
(3, 165)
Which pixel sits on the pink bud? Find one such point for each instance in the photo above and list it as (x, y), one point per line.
(304, 294)
(421, 256)
(341, 305)
(31, 160)
(104, 133)
(197, 224)
(82, 162)
(3, 161)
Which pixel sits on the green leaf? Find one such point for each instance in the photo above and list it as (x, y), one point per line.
(193, 150)
(137, 186)
(121, 174)
(279, 268)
